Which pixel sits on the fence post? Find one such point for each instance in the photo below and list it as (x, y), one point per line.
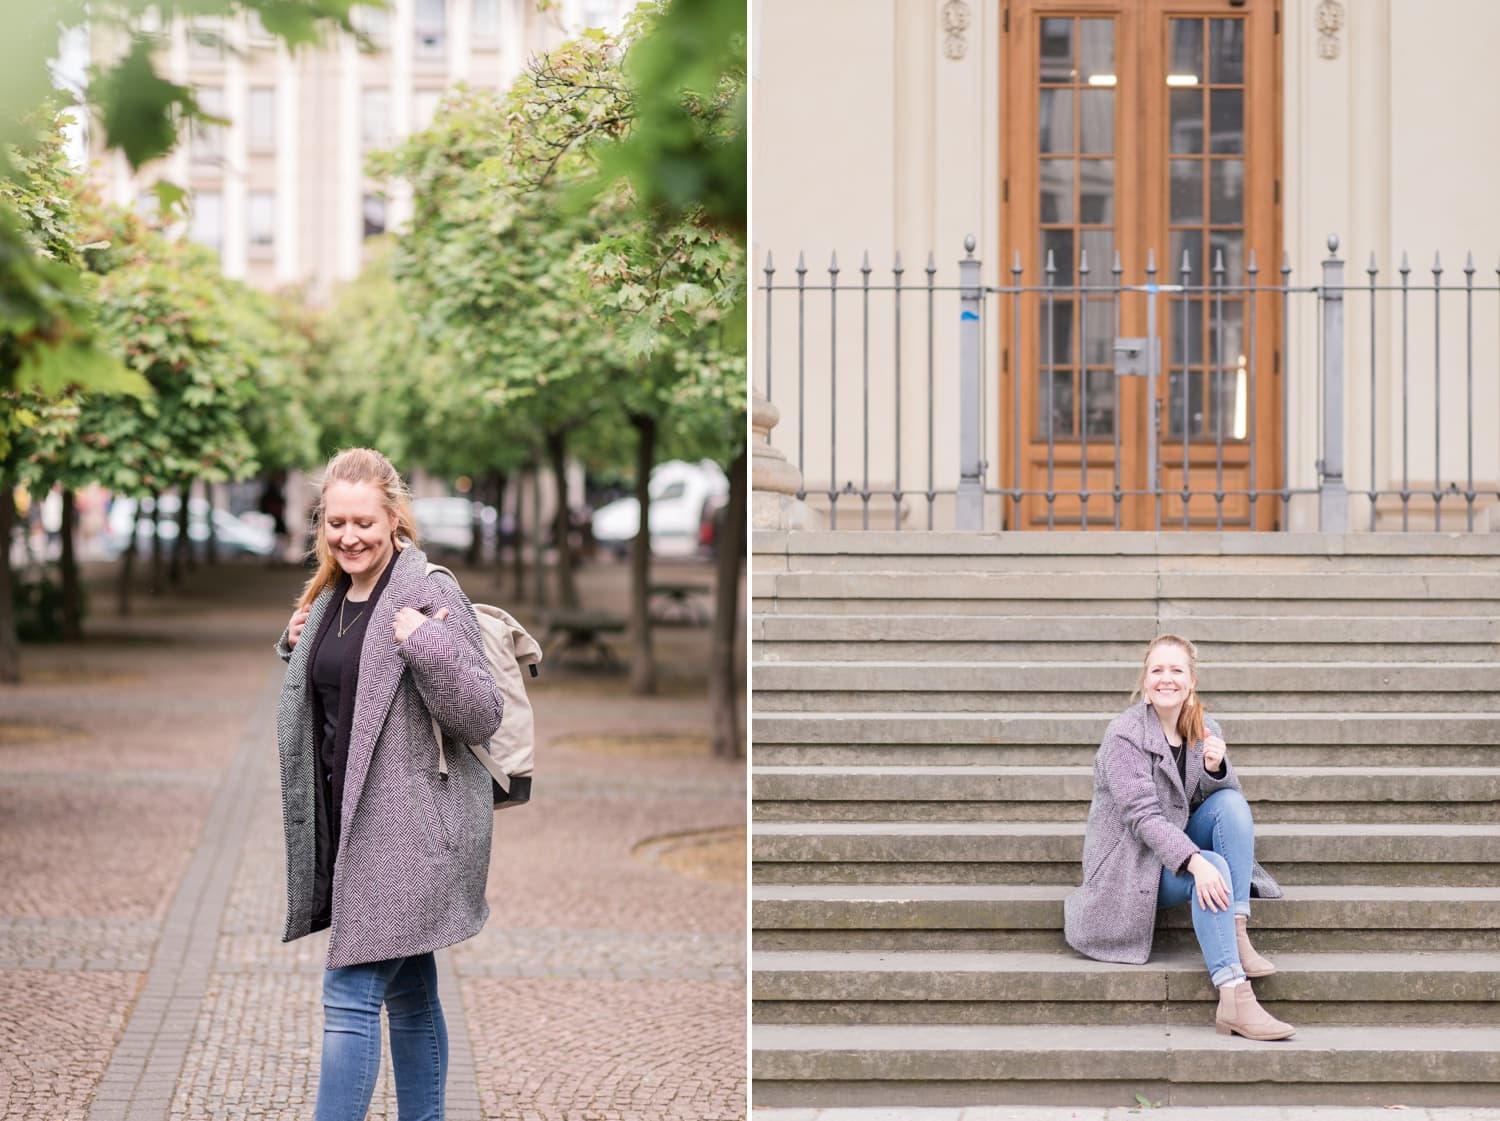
(1333, 494)
(970, 512)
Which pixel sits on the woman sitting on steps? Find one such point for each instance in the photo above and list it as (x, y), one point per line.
(1169, 825)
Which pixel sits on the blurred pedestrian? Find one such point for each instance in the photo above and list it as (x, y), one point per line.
(387, 829)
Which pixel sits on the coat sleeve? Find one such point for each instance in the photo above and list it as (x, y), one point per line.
(1127, 773)
(1208, 784)
(446, 659)
(283, 648)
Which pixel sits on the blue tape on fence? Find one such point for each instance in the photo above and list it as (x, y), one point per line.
(968, 315)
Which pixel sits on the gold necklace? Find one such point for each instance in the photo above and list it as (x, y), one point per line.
(342, 628)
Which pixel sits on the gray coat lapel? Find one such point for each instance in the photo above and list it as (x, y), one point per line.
(380, 670)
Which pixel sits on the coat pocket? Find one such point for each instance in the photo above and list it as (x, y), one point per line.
(1102, 860)
(439, 810)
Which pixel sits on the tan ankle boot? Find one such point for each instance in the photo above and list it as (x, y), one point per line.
(1240, 1012)
(1253, 964)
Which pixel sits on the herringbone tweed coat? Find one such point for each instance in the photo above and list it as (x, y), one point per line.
(1135, 829)
(414, 851)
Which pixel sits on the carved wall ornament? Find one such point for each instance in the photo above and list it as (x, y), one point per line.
(1330, 20)
(955, 23)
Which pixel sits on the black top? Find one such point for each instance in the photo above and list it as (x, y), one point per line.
(332, 671)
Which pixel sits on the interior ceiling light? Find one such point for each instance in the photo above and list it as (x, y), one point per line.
(1182, 79)
(1103, 80)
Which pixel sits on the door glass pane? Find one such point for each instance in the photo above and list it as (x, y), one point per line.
(1056, 323)
(1057, 191)
(1096, 122)
(1227, 121)
(1231, 404)
(1226, 192)
(1057, 50)
(1100, 409)
(1191, 243)
(1059, 243)
(1096, 44)
(1231, 245)
(1059, 408)
(1187, 191)
(1232, 324)
(1193, 311)
(1100, 247)
(1194, 404)
(1185, 43)
(1099, 333)
(1226, 51)
(1055, 120)
(1096, 192)
(1186, 122)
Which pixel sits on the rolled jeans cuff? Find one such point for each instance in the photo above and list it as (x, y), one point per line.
(1226, 973)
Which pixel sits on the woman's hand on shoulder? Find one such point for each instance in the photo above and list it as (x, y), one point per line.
(408, 619)
(294, 628)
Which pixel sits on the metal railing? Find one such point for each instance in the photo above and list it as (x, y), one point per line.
(1254, 338)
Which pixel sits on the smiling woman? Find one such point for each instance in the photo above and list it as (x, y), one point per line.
(1169, 825)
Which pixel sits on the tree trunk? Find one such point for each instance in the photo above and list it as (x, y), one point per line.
(211, 544)
(183, 545)
(10, 643)
(518, 540)
(642, 659)
(155, 587)
(567, 585)
(72, 592)
(498, 480)
(723, 675)
(127, 559)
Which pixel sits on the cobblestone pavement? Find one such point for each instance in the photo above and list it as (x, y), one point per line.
(142, 974)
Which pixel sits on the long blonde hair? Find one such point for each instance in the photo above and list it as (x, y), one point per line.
(357, 465)
(1190, 724)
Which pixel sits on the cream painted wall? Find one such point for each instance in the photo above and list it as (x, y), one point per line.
(867, 135)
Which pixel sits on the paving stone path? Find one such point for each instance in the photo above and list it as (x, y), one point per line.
(142, 974)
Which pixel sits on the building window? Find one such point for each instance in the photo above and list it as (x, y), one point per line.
(260, 220)
(373, 23)
(424, 105)
(431, 28)
(375, 117)
(206, 41)
(207, 143)
(261, 118)
(208, 219)
(374, 211)
(486, 22)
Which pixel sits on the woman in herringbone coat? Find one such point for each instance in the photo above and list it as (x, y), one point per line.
(387, 829)
(1169, 825)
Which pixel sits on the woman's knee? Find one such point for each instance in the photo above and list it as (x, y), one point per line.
(1230, 808)
(1220, 863)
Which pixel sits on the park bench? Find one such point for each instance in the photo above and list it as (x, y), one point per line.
(567, 630)
(680, 604)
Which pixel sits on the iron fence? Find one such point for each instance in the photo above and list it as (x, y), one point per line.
(1222, 357)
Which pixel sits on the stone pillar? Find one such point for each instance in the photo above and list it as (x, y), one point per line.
(774, 482)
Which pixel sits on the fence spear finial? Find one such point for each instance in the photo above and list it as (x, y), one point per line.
(1372, 268)
(898, 268)
(1333, 245)
(1405, 264)
(1437, 264)
(833, 262)
(864, 266)
(769, 266)
(969, 244)
(1469, 266)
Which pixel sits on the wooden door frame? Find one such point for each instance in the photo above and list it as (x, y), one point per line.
(1140, 177)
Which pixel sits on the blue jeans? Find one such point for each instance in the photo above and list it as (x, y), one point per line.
(352, 997)
(1222, 828)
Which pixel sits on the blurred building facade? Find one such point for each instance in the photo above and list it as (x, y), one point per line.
(281, 191)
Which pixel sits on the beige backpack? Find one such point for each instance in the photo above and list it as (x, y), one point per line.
(511, 751)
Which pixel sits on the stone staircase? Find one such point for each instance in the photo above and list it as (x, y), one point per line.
(926, 711)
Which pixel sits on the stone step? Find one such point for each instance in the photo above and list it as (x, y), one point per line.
(1122, 638)
(1254, 591)
(1211, 549)
(1309, 918)
(1020, 987)
(939, 736)
(894, 1065)
(1350, 687)
(1043, 853)
(928, 793)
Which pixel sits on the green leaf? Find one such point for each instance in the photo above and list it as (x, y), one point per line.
(77, 364)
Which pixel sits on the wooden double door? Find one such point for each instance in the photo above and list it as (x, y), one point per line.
(1143, 130)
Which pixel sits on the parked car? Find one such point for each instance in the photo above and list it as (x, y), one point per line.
(446, 523)
(679, 493)
(232, 535)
